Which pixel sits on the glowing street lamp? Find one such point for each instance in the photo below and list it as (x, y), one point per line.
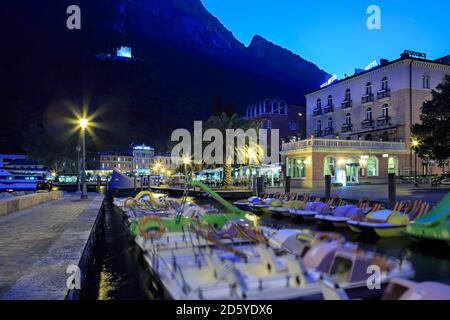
(83, 122)
(186, 161)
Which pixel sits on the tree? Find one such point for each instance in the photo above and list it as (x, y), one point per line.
(222, 123)
(51, 146)
(433, 133)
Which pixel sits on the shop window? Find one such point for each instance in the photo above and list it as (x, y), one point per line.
(297, 167)
(393, 165)
(372, 167)
(329, 166)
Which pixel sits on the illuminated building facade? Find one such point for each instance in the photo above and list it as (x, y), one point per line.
(360, 127)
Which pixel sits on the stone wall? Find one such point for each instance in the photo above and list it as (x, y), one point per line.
(10, 205)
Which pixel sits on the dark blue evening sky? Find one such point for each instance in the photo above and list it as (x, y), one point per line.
(333, 34)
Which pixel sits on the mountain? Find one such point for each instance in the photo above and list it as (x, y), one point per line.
(185, 59)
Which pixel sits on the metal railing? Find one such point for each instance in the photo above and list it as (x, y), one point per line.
(367, 124)
(336, 143)
(317, 112)
(328, 109)
(367, 98)
(346, 104)
(386, 93)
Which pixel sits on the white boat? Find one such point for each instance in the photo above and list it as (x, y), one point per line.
(17, 181)
(257, 273)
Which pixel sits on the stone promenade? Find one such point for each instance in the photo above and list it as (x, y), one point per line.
(39, 243)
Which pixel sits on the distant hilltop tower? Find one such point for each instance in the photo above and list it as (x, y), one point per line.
(124, 52)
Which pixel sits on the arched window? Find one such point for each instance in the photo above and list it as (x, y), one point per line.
(369, 114)
(319, 126)
(329, 166)
(348, 95)
(372, 167)
(319, 104)
(330, 100)
(426, 82)
(393, 165)
(330, 123)
(385, 112)
(384, 84)
(348, 119)
(369, 89)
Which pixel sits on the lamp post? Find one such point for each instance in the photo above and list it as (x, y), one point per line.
(186, 162)
(78, 168)
(415, 144)
(83, 125)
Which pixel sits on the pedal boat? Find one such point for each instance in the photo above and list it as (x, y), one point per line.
(310, 211)
(385, 223)
(339, 216)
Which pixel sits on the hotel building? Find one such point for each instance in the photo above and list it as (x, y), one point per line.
(290, 120)
(111, 160)
(360, 126)
(142, 158)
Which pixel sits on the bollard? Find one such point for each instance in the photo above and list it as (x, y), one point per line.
(259, 186)
(327, 187)
(287, 186)
(392, 189)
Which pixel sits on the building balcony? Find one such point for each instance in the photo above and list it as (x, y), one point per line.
(367, 124)
(367, 99)
(317, 112)
(384, 94)
(346, 128)
(328, 131)
(383, 121)
(318, 134)
(292, 147)
(328, 109)
(346, 104)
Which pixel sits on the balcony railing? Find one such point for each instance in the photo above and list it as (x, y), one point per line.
(329, 131)
(367, 124)
(383, 94)
(368, 98)
(346, 104)
(318, 134)
(347, 128)
(383, 121)
(317, 112)
(328, 109)
(339, 144)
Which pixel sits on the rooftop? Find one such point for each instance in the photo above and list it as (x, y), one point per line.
(407, 55)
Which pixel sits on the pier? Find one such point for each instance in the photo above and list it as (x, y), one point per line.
(40, 243)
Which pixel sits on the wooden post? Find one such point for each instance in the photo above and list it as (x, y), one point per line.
(259, 186)
(327, 187)
(392, 189)
(287, 185)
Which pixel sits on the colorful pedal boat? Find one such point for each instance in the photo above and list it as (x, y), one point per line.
(339, 216)
(385, 223)
(435, 225)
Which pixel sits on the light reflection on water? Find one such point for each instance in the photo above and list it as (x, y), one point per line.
(119, 271)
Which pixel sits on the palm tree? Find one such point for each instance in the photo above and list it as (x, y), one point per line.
(223, 122)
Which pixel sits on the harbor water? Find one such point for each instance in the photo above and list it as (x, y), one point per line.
(119, 272)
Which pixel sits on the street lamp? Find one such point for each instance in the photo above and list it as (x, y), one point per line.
(186, 161)
(415, 144)
(78, 168)
(83, 125)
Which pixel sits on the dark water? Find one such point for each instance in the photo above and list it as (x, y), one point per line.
(119, 272)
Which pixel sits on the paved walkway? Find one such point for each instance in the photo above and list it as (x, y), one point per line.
(379, 192)
(37, 245)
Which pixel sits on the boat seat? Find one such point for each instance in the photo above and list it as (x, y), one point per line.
(269, 260)
(331, 290)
